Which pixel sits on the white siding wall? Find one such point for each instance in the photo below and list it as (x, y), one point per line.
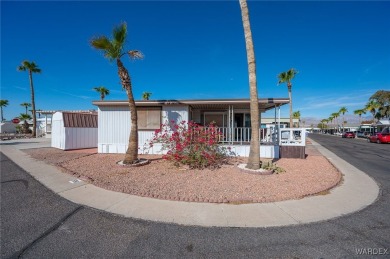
(72, 138)
(7, 127)
(58, 131)
(266, 151)
(176, 113)
(78, 138)
(114, 128)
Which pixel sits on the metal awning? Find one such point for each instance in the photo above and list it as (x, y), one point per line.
(204, 104)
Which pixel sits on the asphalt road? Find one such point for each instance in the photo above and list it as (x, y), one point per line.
(371, 158)
(36, 223)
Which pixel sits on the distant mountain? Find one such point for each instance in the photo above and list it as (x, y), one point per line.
(352, 120)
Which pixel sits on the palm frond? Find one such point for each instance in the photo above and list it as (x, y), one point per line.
(3, 103)
(282, 77)
(21, 68)
(30, 66)
(119, 34)
(135, 54)
(34, 68)
(25, 116)
(102, 43)
(291, 73)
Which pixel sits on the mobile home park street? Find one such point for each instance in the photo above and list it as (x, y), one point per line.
(36, 223)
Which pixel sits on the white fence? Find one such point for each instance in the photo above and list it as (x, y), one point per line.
(270, 135)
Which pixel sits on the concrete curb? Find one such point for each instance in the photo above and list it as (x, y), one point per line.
(357, 191)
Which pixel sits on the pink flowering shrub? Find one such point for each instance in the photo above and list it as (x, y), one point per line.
(192, 145)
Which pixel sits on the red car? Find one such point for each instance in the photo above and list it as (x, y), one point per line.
(348, 134)
(379, 138)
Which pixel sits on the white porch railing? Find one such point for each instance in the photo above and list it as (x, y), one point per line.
(267, 136)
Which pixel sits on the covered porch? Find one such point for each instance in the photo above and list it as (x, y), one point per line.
(230, 116)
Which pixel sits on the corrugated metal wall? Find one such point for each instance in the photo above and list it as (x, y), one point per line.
(79, 120)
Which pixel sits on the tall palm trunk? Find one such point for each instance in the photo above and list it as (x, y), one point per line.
(102, 96)
(34, 131)
(131, 156)
(291, 109)
(2, 117)
(254, 152)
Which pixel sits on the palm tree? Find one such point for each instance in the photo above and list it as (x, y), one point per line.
(146, 95)
(359, 112)
(25, 105)
(323, 121)
(31, 67)
(113, 50)
(372, 107)
(327, 123)
(343, 110)
(335, 115)
(286, 77)
(254, 152)
(24, 117)
(297, 115)
(331, 118)
(103, 91)
(3, 103)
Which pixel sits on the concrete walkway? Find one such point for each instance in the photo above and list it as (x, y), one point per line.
(357, 191)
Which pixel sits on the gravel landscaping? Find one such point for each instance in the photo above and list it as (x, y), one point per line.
(229, 184)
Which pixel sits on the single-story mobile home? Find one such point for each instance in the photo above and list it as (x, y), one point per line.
(231, 116)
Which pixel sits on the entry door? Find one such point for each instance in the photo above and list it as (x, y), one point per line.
(238, 120)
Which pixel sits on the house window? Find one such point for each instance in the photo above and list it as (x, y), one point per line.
(149, 118)
(218, 118)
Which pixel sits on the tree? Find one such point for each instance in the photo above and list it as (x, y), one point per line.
(26, 127)
(114, 50)
(146, 95)
(31, 67)
(383, 98)
(359, 112)
(335, 115)
(286, 77)
(343, 110)
(26, 105)
(327, 122)
(297, 115)
(372, 107)
(323, 121)
(331, 119)
(3, 103)
(254, 152)
(103, 91)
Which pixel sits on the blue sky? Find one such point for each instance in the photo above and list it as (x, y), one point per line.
(196, 50)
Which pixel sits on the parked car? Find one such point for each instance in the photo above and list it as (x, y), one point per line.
(379, 138)
(348, 134)
(361, 134)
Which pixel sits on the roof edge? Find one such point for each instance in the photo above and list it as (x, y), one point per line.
(189, 102)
